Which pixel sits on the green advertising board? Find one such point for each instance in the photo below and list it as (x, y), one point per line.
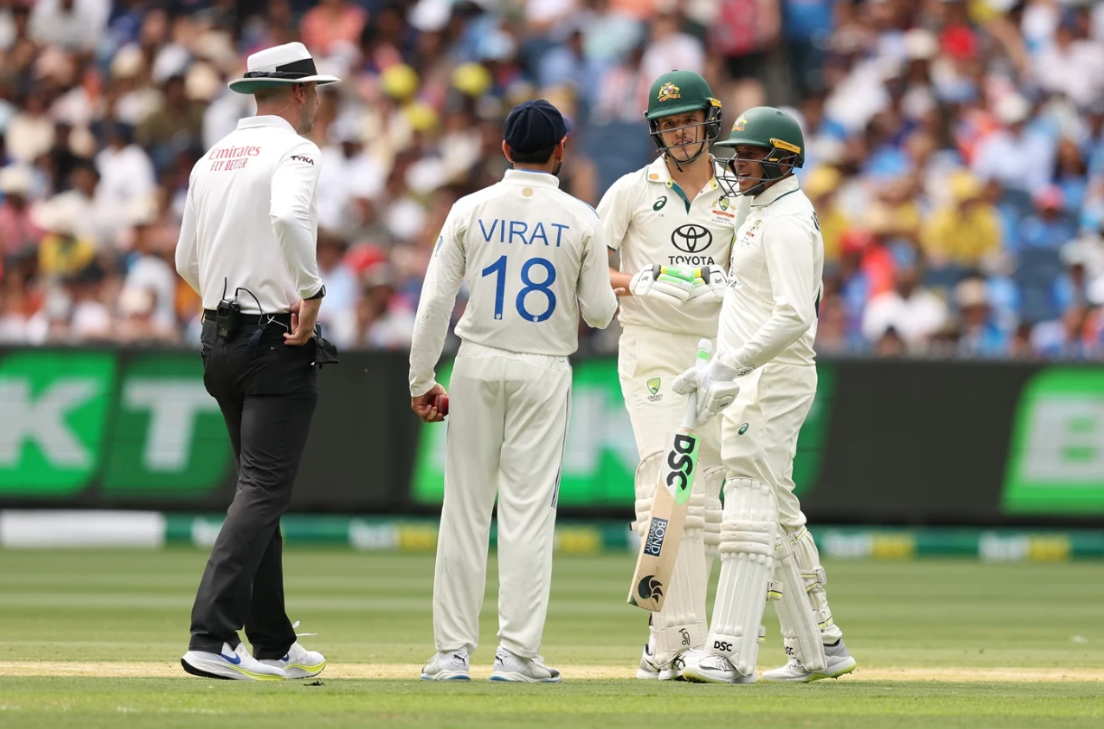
(600, 456)
(141, 426)
(1056, 463)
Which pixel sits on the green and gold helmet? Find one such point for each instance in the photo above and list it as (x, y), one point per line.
(681, 92)
(771, 129)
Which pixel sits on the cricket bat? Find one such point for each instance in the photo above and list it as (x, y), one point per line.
(663, 535)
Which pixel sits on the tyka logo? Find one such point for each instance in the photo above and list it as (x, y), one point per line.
(691, 238)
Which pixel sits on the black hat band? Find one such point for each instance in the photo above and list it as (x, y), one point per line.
(290, 71)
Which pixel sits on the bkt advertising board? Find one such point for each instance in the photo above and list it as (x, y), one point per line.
(885, 442)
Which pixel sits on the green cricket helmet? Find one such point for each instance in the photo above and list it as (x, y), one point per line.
(681, 92)
(771, 129)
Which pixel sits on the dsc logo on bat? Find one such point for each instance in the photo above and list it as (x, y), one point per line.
(680, 462)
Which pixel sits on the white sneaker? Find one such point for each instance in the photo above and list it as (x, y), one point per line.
(715, 669)
(298, 662)
(230, 663)
(508, 667)
(691, 657)
(649, 670)
(451, 666)
(839, 663)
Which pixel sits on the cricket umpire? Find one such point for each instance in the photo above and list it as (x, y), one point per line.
(247, 247)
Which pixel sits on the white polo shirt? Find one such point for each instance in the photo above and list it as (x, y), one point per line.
(532, 258)
(250, 219)
(649, 219)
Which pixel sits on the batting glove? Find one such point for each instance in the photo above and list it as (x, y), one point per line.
(716, 387)
(665, 284)
(709, 288)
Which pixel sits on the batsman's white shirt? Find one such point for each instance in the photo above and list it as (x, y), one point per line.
(533, 259)
(769, 313)
(250, 219)
(768, 321)
(648, 219)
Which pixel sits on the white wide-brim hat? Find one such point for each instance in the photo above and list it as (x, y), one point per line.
(290, 63)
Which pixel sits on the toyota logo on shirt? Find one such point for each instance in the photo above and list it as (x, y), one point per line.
(691, 238)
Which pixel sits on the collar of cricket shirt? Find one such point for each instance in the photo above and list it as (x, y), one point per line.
(775, 192)
(659, 174)
(532, 178)
(253, 122)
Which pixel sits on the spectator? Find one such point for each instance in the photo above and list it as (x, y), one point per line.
(1072, 64)
(76, 25)
(339, 278)
(670, 48)
(332, 26)
(1048, 228)
(1019, 158)
(964, 231)
(377, 321)
(912, 312)
(821, 185)
(177, 124)
(18, 235)
(979, 335)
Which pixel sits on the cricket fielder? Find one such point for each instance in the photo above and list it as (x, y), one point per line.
(763, 377)
(673, 214)
(532, 258)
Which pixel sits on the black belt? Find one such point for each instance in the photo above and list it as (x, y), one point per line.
(254, 319)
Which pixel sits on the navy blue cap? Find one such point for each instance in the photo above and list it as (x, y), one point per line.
(533, 126)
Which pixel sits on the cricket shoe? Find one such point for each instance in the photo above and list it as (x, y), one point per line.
(652, 670)
(838, 663)
(508, 667)
(715, 669)
(449, 666)
(230, 663)
(298, 662)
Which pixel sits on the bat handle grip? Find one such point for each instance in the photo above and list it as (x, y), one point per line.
(690, 420)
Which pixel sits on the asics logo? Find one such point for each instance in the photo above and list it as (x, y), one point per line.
(235, 659)
(287, 657)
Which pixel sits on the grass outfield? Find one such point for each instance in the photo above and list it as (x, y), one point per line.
(93, 639)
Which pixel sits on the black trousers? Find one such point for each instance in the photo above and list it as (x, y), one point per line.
(267, 393)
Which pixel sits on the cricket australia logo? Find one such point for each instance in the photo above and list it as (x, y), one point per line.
(669, 91)
(653, 387)
(740, 125)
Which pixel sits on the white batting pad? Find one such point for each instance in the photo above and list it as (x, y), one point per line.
(681, 624)
(712, 480)
(796, 614)
(816, 580)
(748, 537)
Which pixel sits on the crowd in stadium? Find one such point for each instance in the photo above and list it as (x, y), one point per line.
(955, 150)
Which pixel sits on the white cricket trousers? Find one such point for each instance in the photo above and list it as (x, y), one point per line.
(507, 424)
(759, 431)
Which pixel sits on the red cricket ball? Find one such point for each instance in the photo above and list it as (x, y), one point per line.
(441, 403)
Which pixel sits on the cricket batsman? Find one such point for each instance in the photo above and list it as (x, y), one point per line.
(763, 377)
(533, 259)
(666, 221)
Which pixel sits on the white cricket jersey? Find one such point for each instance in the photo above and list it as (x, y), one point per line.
(532, 258)
(770, 309)
(250, 219)
(649, 219)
